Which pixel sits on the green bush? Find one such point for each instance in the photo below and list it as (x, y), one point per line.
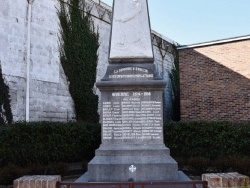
(174, 76)
(233, 163)
(198, 165)
(211, 140)
(38, 148)
(45, 143)
(6, 116)
(221, 146)
(9, 173)
(78, 44)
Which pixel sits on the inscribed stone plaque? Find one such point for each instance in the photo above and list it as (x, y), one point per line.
(132, 72)
(130, 37)
(132, 116)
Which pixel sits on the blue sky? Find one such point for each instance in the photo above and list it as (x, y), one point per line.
(195, 21)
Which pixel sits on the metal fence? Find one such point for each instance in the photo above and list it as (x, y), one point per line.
(170, 184)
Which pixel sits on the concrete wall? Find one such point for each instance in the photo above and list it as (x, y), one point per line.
(49, 96)
(215, 81)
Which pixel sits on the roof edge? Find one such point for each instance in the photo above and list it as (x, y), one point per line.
(214, 42)
(165, 38)
(104, 5)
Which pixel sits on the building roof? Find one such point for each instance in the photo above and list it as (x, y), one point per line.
(104, 5)
(214, 42)
(165, 38)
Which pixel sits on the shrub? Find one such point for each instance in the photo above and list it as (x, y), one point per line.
(182, 161)
(198, 165)
(5, 108)
(233, 163)
(78, 55)
(44, 148)
(174, 76)
(208, 139)
(45, 143)
(240, 164)
(221, 164)
(39, 147)
(221, 146)
(9, 173)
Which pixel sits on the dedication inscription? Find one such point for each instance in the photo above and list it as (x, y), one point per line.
(131, 72)
(132, 115)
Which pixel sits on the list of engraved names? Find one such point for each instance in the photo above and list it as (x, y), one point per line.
(132, 115)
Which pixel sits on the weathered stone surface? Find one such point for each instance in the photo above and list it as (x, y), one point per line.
(36, 182)
(131, 112)
(121, 162)
(130, 37)
(223, 180)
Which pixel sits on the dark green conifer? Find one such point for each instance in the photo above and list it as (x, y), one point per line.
(5, 108)
(175, 83)
(78, 55)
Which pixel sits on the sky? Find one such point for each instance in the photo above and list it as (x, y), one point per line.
(196, 21)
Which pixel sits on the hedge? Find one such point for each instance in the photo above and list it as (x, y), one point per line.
(201, 147)
(46, 143)
(211, 140)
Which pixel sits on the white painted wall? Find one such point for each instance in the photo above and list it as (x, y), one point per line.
(49, 96)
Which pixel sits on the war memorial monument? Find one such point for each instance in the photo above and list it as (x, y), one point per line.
(132, 146)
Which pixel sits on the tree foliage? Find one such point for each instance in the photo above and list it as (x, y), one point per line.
(78, 55)
(175, 83)
(5, 108)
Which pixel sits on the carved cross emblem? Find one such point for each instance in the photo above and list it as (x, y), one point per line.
(132, 168)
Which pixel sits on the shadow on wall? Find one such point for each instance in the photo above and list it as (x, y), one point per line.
(210, 90)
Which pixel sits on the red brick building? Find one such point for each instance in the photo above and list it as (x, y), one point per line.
(215, 80)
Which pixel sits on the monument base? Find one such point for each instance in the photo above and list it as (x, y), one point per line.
(137, 163)
(181, 177)
(132, 146)
(85, 177)
(122, 163)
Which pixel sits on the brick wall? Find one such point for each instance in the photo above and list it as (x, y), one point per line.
(215, 81)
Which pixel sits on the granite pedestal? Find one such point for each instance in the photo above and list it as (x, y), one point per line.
(132, 146)
(131, 106)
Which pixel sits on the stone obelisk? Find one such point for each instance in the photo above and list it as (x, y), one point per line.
(132, 146)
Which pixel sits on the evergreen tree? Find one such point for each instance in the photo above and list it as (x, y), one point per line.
(175, 83)
(78, 55)
(5, 108)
